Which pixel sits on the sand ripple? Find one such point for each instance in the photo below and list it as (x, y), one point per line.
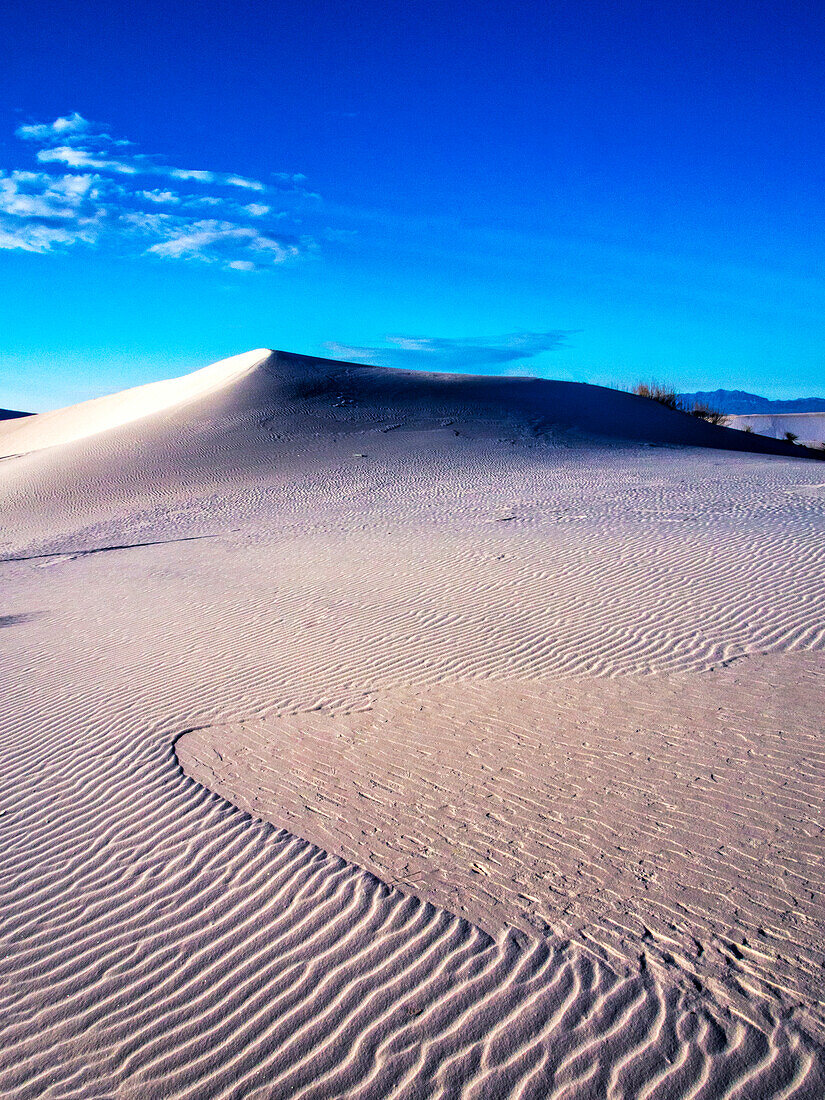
(376, 540)
(190, 950)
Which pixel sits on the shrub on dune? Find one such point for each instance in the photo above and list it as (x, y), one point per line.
(654, 391)
(712, 416)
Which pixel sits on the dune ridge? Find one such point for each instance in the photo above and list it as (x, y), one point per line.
(299, 382)
(313, 542)
(368, 992)
(23, 434)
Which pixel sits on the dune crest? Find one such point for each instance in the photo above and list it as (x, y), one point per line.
(291, 385)
(22, 435)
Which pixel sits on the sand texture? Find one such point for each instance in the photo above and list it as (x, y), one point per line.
(370, 734)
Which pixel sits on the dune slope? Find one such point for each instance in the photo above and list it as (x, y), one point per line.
(808, 427)
(291, 384)
(102, 414)
(486, 610)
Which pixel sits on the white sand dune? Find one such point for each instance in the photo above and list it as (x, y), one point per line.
(292, 380)
(809, 428)
(102, 414)
(472, 637)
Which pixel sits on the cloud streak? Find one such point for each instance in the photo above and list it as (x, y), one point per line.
(58, 130)
(462, 354)
(92, 189)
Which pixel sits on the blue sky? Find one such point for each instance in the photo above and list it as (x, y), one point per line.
(603, 192)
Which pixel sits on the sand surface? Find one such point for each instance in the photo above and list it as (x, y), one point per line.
(368, 734)
(809, 428)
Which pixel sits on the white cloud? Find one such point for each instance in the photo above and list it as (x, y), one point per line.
(148, 222)
(45, 131)
(38, 195)
(166, 198)
(79, 143)
(35, 236)
(248, 185)
(31, 238)
(218, 242)
(180, 173)
(41, 211)
(83, 158)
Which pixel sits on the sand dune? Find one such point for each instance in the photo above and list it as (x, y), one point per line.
(105, 413)
(299, 384)
(808, 427)
(577, 676)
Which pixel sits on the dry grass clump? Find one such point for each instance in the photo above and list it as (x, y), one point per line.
(655, 392)
(670, 399)
(713, 416)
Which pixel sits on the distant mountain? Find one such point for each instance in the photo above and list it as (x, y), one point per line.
(737, 402)
(10, 414)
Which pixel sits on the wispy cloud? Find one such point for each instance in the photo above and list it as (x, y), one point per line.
(218, 241)
(160, 197)
(40, 212)
(57, 130)
(38, 195)
(104, 195)
(447, 354)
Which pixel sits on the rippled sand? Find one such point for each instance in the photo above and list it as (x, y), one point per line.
(380, 735)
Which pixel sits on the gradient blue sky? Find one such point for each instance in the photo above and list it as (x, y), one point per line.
(593, 191)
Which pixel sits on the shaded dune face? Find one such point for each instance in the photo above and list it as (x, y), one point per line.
(265, 418)
(471, 622)
(320, 391)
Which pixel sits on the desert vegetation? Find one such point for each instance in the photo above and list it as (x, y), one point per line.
(704, 412)
(671, 400)
(656, 392)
